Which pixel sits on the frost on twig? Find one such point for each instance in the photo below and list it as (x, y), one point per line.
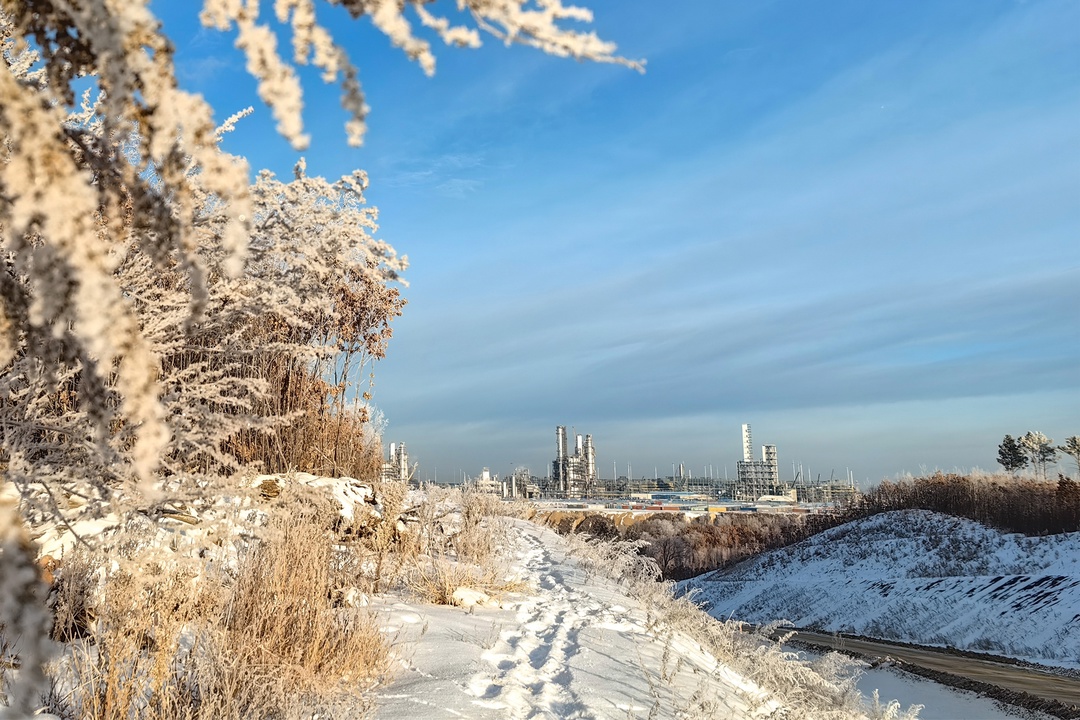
(540, 24)
(138, 171)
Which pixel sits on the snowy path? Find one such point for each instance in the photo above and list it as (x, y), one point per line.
(575, 647)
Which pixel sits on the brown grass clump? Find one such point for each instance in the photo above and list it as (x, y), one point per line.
(436, 580)
(280, 634)
(167, 637)
(452, 539)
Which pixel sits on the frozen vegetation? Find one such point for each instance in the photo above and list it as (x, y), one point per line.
(169, 329)
(301, 596)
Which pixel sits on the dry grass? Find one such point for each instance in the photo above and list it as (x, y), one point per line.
(177, 637)
(436, 580)
(255, 626)
(454, 538)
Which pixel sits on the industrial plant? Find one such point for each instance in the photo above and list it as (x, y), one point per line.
(397, 466)
(757, 477)
(573, 476)
(518, 485)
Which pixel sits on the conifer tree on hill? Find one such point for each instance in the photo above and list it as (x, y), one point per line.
(1011, 455)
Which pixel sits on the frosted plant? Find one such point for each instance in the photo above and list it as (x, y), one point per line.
(150, 296)
(536, 24)
(1039, 449)
(134, 172)
(74, 186)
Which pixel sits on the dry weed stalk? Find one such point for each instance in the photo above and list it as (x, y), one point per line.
(450, 539)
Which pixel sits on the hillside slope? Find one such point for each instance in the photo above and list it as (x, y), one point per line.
(919, 577)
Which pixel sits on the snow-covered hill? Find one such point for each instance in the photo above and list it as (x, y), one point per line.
(919, 577)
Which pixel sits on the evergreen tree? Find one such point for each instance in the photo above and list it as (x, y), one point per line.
(1010, 455)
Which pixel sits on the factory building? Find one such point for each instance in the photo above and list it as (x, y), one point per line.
(485, 482)
(397, 465)
(757, 477)
(573, 476)
(520, 484)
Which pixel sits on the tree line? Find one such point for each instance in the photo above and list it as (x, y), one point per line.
(1036, 450)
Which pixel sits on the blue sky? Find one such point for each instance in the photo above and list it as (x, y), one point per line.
(854, 225)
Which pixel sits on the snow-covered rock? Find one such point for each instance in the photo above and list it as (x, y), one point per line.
(467, 597)
(356, 497)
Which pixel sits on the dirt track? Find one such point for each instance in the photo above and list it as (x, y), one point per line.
(1058, 689)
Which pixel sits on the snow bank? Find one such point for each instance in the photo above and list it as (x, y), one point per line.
(918, 577)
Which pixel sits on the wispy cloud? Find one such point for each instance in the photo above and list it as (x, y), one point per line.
(439, 172)
(458, 187)
(205, 70)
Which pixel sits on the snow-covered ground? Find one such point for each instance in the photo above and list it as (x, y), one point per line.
(918, 577)
(570, 642)
(576, 646)
(573, 646)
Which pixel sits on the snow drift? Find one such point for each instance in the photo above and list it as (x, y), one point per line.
(918, 577)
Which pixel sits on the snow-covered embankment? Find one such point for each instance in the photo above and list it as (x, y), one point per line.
(918, 577)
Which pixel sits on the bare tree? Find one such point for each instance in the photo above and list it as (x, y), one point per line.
(1040, 451)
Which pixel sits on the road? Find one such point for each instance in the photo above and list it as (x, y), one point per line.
(1012, 677)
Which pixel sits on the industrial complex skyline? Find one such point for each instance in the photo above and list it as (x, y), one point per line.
(576, 474)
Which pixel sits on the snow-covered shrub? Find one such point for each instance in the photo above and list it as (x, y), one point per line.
(139, 354)
(620, 560)
(141, 168)
(432, 541)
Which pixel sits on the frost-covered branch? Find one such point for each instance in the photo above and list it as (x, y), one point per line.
(541, 24)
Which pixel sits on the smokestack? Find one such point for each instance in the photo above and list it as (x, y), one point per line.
(747, 444)
(590, 459)
(560, 441)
